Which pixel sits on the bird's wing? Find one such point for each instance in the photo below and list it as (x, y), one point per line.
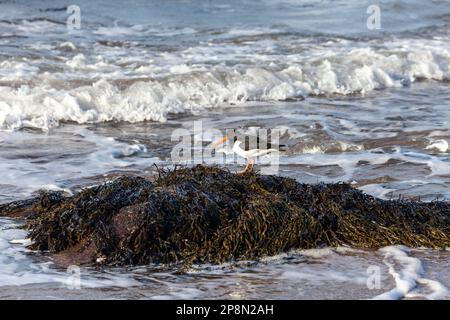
(252, 140)
(260, 152)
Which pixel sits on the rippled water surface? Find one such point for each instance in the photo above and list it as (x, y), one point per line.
(369, 107)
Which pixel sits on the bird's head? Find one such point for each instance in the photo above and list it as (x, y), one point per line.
(229, 136)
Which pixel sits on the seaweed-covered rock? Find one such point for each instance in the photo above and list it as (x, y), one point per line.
(206, 214)
(18, 209)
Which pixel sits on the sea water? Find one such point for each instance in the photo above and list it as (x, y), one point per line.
(367, 106)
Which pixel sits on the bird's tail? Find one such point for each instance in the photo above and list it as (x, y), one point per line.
(282, 147)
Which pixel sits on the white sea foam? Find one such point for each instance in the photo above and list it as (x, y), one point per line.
(376, 190)
(18, 269)
(67, 45)
(181, 87)
(348, 162)
(87, 154)
(130, 150)
(14, 70)
(312, 150)
(409, 277)
(438, 145)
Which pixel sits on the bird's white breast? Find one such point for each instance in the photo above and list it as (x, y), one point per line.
(238, 150)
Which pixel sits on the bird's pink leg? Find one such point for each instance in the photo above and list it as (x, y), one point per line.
(252, 163)
(243, 172)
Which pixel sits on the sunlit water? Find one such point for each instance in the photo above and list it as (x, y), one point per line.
(370, 107)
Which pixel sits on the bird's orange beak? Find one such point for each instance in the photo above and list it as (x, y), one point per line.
(220, 142)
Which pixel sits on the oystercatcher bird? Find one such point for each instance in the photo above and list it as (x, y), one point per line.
(248, 146)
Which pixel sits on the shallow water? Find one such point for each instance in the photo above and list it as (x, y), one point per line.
(369, 107)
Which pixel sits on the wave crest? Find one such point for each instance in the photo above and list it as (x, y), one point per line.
(45, 104)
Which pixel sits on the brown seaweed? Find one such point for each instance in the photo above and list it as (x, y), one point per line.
(206, 214)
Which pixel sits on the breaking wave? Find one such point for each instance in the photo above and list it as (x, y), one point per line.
(100, 90)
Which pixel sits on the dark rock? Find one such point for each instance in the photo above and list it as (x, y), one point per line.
(206, 214)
